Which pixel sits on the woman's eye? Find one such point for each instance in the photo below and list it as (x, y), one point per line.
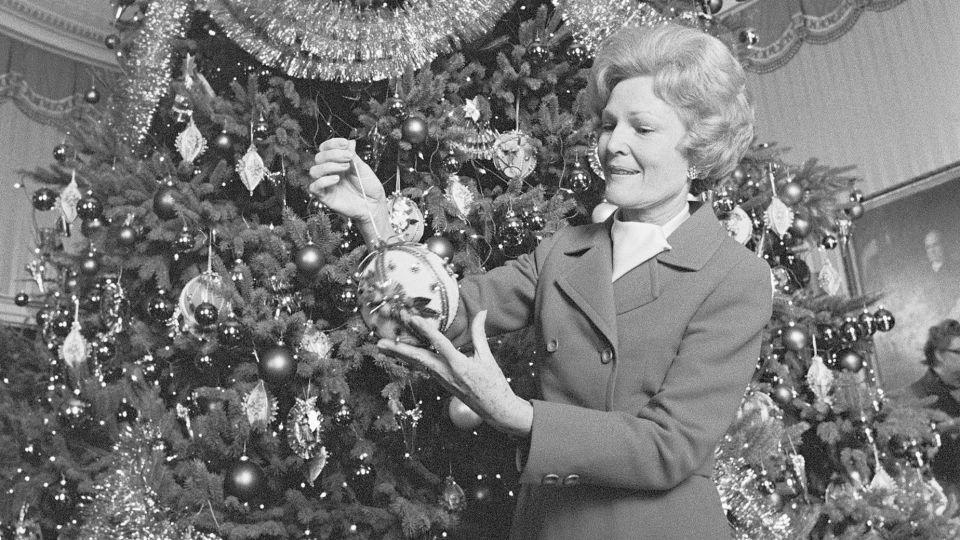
(644, 130)
(607, 126)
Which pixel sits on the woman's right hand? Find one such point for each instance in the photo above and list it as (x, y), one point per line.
(344, 183)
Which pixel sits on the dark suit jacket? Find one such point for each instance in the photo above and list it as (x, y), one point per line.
(946, 464)
(642, 377)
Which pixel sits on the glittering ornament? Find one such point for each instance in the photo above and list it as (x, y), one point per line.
(89, 207)
(92, 96)
(452, 498)
(304, 428)
(44, 199)
(261, 130)
(533, 219)
(414, 130)
(794, 338)
(748, 37)
(206, 287)
(350, 237)
(160, 307)
(778, 216)
(451, 164)
(184, 242)
(344, 415)
(462, 195)
(406, 278)
(780, 279)
(277, 365)
(739, 225)
(849, 360)
(828, 278)
(21, 299)
(316, 342)
(462, 415)
(251, 169)
(347, 298)
(577, 54)
(76, 414)
(190, 142)
(515, 155)
(441, 246)
(819, 378)
(472, 142)
(827, 336)
(868, 323)
(75, 348)
(512, 231)
(782, 394)
(602, 211)
(537, 54)
(850, 330)
(712, 7)
(206, 314)
(230, 332)
(126, 412)
(61, 152)
(829, 241)
(884, 319)
(309, 259)
(165, 202)
(790, 193)
(579, 180)
(395, 107)
(244, 480)
(406, 219)
(724, 199)
(259, 406)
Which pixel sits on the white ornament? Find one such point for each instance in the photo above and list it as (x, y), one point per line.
(206, 287)
(251, 169)
(75, 348)
(461, 195)
(778, 216)
(515, 155)
(190, 142)
(68, 201)
(593, 159)
(260, 407)
(471, 109)
(739, 225)
(820, 379)
(829, 278)
(316, 342)
(406, 218)
(317, 464)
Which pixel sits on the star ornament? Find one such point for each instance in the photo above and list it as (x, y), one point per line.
(471, 109)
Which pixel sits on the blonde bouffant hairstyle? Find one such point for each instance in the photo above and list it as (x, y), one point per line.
(694, 73)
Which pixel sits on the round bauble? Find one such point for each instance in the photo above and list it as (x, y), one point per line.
(868, 323)
(849, 360)
(463, 416)
(103, 350)
(309, 259)
(223, 143)
(794, 338)
(515, 155)
(127, 236)
(854, 211)
(406, 278)
(126, 412)
(43, 317)
(791, 193)
(89, 207)
(350, 237)
(537, 53)
(277, 365)
(602, 211)
(738, 175)
(184, 241)
(344, 415)
(165, 202)
(713, 6)
(856, 196)
(61, 325)
(884, 319)
(579, 180)
(92, 96)
(160, 308)
(346, 299)
(61, 152)
(451, 164)
(112, 41)
(512, 232)
(534, 219)
(850, 330)
(21, 299)
(230, 332)
(414, 130)
(89, 227)
(724, 199)
(406, 218)
(577, 54)
(441, 246)
(396, 107)
(44, 199)
(782, 394)
(261, 129)
(244, 480)
(90, 265)
(829, 241)
(207, 287)
(800, 227)
(206, 314)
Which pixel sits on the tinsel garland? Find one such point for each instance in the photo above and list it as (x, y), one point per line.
(336, 41)
(593, 20)
(147, 67)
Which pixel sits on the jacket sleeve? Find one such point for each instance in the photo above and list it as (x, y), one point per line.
(506, 292)
(679, 428)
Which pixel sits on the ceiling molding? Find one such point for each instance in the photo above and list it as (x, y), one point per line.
(74, 29)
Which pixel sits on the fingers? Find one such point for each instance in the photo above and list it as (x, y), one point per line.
(337, 155)
(409, 353)
(429, 331)
(319, 185)
(329, 167)
(479, 335)
(336, 143)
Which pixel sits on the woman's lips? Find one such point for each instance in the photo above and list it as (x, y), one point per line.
(621, 170)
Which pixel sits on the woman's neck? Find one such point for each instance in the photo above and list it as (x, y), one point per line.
(657, 215)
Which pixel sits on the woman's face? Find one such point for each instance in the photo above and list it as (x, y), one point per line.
(638, 147)
(949, 368)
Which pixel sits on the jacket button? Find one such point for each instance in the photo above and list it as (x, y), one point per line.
(550, 480)
(571, 480)
(606, 356)
(552, 345)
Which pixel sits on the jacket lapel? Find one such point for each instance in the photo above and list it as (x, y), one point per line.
(586, 276)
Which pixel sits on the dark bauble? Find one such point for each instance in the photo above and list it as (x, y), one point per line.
(222, 142)
(92, 96)
(244, 480)
(537, 54)
(790, 193)
(827, 336)
(184, 241)
(344, 415)
(44, 199)
(21, 299)
(579, 180)
(230, 332)
(868, 323)
(396, 107)
(90, 264)
(126, 412)
(89, 207)
(89, 227)
(261, 130)
(577, 54)
(414, 130)
(61, 325)
(724, 199)
(206, 314)
(61, 152)
(451, 164)
(794, 338)
(350, 237)
(160, 308)
(127, 236)
(713, 6)
(800, 228)
(738, 175)
(748, 37)
(76, 415)
(512, 232)
(856, 196)
(854, 211)
(165, 202)
(850, 330)
(309, 259)
(829, 241)
(782, 394)
(277, 365)
(103, 350)
(112, 41)
(43, 317)
(534, 220)
(440, 246)
(849, 360)
(346, 298)
(884, 319)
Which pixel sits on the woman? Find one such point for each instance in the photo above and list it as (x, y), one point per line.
(651, 320)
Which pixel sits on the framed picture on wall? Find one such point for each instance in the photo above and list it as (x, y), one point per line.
(907, 248)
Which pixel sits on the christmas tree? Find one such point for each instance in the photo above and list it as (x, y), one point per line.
(198, 367)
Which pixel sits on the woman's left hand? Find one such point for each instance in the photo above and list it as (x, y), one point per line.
(478, 381)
